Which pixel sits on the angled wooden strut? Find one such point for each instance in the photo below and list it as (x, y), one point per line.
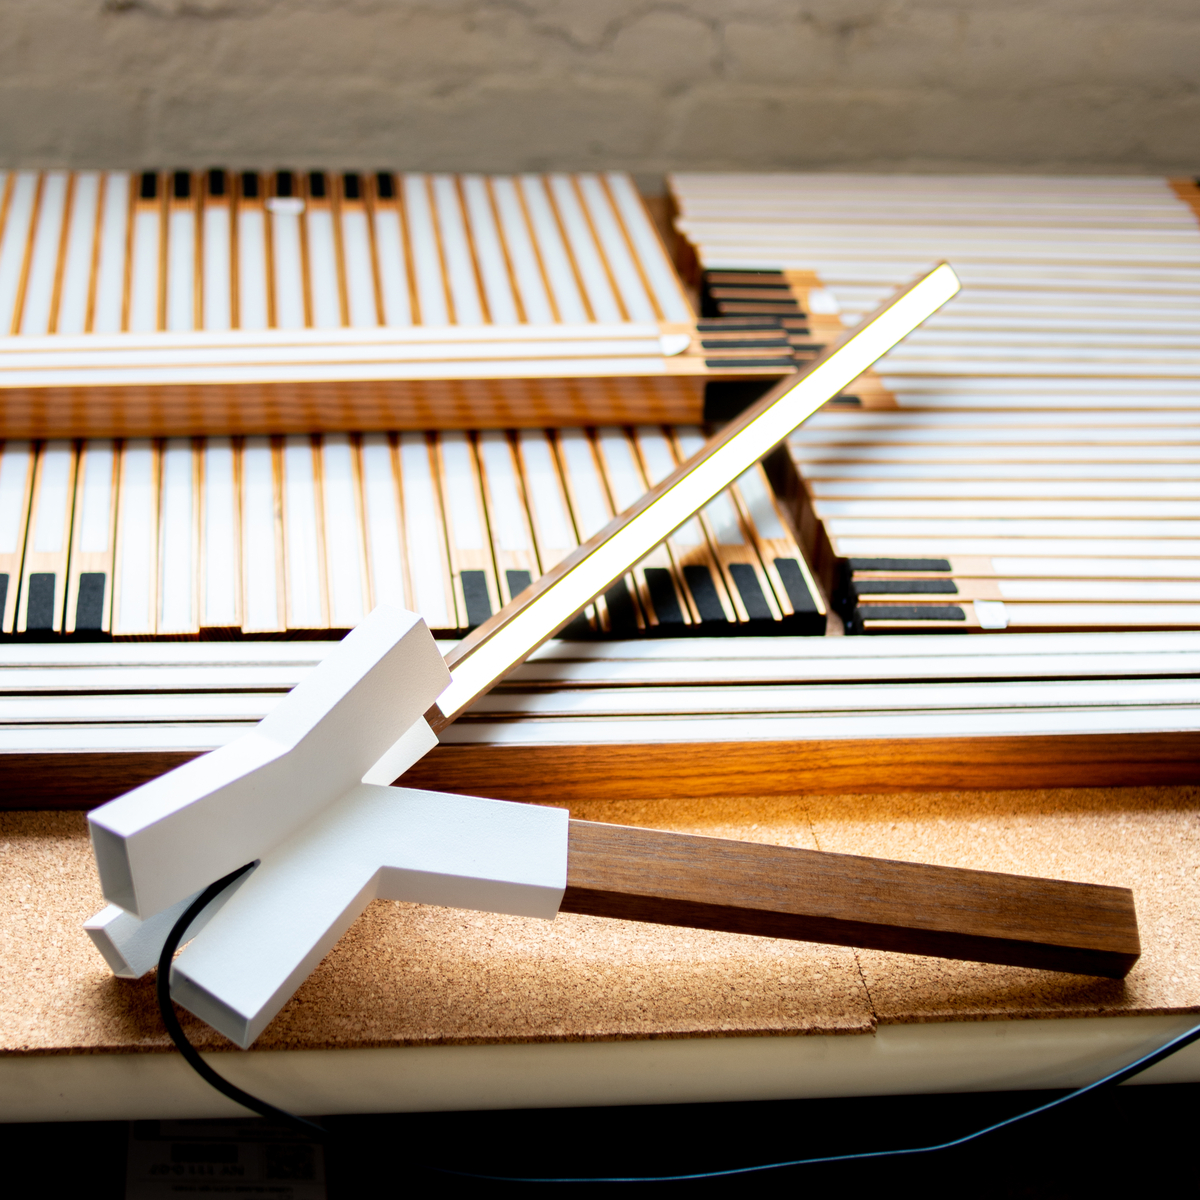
(848, 900)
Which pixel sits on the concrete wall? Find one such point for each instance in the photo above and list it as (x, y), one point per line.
(1075, 85)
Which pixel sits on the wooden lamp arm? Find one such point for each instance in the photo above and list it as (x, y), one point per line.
(846, 900)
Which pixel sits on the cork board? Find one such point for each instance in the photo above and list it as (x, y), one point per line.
(412, 975)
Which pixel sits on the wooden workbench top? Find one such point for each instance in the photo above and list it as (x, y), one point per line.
(411, 975)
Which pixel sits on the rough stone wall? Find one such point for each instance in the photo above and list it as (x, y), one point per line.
(650, 85)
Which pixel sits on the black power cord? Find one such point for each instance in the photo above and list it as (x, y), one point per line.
(311, 1129)
(189, 1052)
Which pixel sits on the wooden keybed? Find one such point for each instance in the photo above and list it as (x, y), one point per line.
(182, 304)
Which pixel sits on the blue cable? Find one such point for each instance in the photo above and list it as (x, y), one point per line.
(1127, 1072)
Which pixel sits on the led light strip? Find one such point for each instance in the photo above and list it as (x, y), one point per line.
(504, 641)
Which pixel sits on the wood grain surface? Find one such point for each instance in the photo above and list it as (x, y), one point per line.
(630, 771)
(847, 900)
(350, 407)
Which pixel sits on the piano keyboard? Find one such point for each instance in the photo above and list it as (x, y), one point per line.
(1041, 466)
(181, 304)
(180, 538)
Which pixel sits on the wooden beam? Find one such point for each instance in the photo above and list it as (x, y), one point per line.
(846, 900)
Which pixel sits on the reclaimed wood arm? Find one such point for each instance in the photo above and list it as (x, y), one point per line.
(847, 900)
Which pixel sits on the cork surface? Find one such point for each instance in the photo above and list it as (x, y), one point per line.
(409, 975)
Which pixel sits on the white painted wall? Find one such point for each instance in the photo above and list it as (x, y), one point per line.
(647, 85)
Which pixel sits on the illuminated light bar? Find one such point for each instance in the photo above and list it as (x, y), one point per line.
(504, 641)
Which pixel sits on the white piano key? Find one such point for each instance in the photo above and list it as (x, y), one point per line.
(43, 261)
(611, 237)
(758, 502)
(53, 499)
(623, 474)
(426, 558)
(137, 538)
(1099, 568)
(96, 497)
(14, 238)
(660, 273)
(77, 258)
(181, 270)
(545, 493)
(177, 549)
(218, 280)
(144, 269)
(220, 580)
(489, 253)
(959, 508)
(506, 510)
(393, 267)
(460, 492)
(289, 269)
(1121, 615)
(851, 527)
(322, 268)
(381, 502)
(14, 476)
(343, 532)
(908, 546)
(253, 311)
(260, 537)
(360, 278)
(552, 250)
(523, 257)
(456, 252)
(587, 487)
(301, 536)
(426, 257)
(1129, 590)
(586, 253)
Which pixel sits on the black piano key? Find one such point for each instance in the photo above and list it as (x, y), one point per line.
(577, 630)
(846, 401)
(216, 182)
(662, 596)
(911, 612)
(808, 347)
(755, 305)
(249, 185)
(351, 186)
(385, 186)
(148, 190)
(181, 185)
(745, 343)
(795, 586)
(739, 325)
(284, 183)
(316, 185)
(3, 591)
(89, 610)
(518, 581)
(785, 363)
(475, 592)
(899, 564)
(39, 615)
(622, 615)
(766, 274)
(904, 587)
(704, 592)
(745, 579)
